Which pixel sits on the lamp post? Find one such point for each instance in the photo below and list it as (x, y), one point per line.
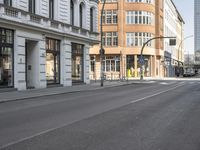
(187, 37)
(141, 54)
(102, 51)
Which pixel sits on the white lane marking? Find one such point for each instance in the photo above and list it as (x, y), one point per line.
(56, 128)
(164, 83)
(158, 93)
(191, 82)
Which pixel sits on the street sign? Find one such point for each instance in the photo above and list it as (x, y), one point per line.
(141, 60)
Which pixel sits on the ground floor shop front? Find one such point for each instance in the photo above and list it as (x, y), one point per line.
(126, 66)
(31, 59)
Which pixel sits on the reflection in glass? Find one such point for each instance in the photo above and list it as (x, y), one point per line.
(77, 62)
(6, 58)
(52, 61)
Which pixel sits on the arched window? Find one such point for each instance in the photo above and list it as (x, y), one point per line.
(81, 14)
(72, 12)
(91, 19)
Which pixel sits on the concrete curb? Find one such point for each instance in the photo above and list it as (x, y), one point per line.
(58, 93)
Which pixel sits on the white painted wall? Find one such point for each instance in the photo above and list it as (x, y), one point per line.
(62, 10)
(22, 4)
(19, 59)
(170, 21)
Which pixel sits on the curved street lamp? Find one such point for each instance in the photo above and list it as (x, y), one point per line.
(172, 40)
(187, 37)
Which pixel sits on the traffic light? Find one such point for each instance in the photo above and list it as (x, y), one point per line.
(172, 42)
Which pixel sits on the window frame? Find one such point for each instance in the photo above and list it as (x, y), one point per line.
(51, 9)
(8, 3)
(31, 6)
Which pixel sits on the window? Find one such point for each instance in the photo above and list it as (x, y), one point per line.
(114, 17)
(72, 12)
(139, 17)
(6, 57)
(8, 2)
(111, 63)
(92, 63)
(77, 62)
(51, 9)
(91, 19)
(109, 1)
(138, 38)
(110, 17)
(81, 15)
(141, 1)
(31, 6)
(52, 61)
(110, 39)
(115, 39)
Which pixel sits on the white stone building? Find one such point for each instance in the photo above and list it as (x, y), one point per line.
(197, 30)
(173, 27)
(46, 42)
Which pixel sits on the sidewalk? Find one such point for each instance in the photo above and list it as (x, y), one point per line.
(33, 93)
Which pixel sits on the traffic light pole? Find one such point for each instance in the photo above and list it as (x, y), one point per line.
(102, 51)
(141, 54)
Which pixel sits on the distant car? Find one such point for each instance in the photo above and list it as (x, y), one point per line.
(187, 74)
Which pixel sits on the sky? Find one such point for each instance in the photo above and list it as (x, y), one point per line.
(186, 9)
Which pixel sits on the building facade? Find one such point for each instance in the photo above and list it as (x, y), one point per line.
(173, 27)
(197, 30)
(46, 42)
(126, 26)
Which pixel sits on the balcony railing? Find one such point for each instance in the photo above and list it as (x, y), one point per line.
(9, 11)
(35, 19)
(21, 16)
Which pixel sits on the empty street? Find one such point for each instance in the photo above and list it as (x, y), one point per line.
(153, 115)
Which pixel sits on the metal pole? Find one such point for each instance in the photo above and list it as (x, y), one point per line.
(101, 48)
(187, 37)
(141, 54)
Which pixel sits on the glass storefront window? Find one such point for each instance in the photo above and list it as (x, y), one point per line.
(6, 57)
(111, 63)
(52, 61)
(92, 64)
(77, 62)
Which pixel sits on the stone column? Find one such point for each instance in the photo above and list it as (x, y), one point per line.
(19, 63)
(66, 63)
(42, 64)
(154, 66)
(135, 65)
(151, 66)
(86, 58)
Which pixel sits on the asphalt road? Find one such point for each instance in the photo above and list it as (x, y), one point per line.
(161, 115)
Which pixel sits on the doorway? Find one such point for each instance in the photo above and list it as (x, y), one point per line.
(31, 63)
